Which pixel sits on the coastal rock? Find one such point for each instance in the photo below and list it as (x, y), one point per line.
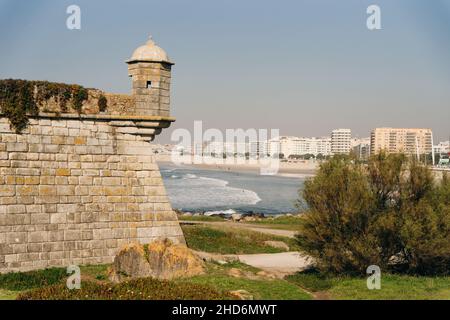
(216, 257)
(236, 217)
(159, 259)
(277, 244)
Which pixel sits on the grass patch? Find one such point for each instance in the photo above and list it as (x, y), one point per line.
(393, 287)
(8, 295)
(14, 282)
(275, 289)
(200, 218)
(137, 289)
(97, 272)
(284, 223)
(230, 240)
(18, 281)
(311, 281)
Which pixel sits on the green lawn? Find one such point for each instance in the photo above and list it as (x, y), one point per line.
(215, 284)
(8, 295)
(228, 240)
(284, 223)
(393, 287)
(265, 289)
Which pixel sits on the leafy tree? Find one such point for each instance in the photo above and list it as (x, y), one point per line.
(336, 230)
(390, 213)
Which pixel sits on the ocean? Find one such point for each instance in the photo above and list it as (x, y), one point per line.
(193, 189)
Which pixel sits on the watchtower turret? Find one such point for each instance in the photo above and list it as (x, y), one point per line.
(150, 70)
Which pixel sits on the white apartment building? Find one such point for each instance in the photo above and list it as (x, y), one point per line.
(361, 148)
(216, 148)
(442, 147)
(341, 141)
(320, 146)
(298, 146)
(273, 146)
(258, 148)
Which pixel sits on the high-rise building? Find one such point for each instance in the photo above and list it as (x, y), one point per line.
(401, 140)
(341, 141)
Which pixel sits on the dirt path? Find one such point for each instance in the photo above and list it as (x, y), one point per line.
(281, 264)
(246, 226)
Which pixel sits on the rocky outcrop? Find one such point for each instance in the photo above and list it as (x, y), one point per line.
(159, 259)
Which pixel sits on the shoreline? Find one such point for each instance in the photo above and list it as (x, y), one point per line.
(289, 170)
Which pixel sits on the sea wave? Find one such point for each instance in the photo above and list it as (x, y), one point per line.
(192, 191)
(220, 212)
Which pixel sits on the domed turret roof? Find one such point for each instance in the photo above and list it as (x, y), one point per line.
(150, 52)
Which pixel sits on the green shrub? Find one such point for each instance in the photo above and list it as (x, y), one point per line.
(17, 281)
(363, 215)
(80, 94)
(102, 103)
(137, 289)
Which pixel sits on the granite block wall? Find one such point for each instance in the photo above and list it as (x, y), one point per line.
(75, 191)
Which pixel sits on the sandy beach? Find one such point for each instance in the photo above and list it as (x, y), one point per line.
(286, 169)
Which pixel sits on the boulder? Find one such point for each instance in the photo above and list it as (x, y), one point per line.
(159, 259)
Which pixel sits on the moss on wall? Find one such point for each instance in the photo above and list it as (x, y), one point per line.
(20, 98)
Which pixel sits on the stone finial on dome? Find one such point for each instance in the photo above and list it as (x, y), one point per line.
(150, 41)
(150, 52)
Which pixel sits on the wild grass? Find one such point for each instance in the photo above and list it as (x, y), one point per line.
(393, 287)
(264, 289)
(226, 240)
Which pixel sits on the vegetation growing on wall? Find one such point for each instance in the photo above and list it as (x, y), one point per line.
(17, 102)
(102, 103)
(20, 99)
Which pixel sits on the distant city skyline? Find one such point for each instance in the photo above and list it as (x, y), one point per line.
(304, 67)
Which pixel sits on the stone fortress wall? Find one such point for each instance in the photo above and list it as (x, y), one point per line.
(74, 191)
(75, 186)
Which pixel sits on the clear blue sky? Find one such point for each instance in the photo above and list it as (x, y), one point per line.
(304, 66)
